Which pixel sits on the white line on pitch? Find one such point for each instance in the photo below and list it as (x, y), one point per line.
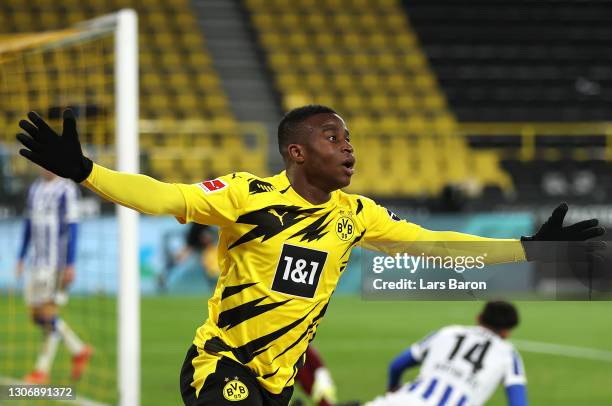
(80, 400)
(563, 350)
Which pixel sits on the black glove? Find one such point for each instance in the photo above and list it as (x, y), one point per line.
(61, 155)
(553, 230)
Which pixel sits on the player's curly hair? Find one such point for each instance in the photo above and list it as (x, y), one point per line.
(499, 315)
(288, 128)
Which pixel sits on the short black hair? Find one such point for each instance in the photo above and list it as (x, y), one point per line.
(499, 315)
(288, 126)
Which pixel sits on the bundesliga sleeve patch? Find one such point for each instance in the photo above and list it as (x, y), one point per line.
(210, 186)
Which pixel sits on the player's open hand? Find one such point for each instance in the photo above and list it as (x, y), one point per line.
(576, 235)
(553, 230)
(60, 154)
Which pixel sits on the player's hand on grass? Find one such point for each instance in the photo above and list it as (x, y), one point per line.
(577, 236)
(60, 154)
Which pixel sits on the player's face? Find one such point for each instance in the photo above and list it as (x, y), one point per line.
(328, 153)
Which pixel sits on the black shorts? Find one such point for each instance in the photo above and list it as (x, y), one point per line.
(231, 383)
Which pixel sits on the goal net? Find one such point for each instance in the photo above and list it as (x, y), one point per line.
(92, 69)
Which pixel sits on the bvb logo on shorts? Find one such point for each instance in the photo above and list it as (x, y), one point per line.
(235, 390)
(345, 228)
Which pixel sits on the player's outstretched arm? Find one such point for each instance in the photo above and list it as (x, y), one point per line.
(532, 248)
(62, 155)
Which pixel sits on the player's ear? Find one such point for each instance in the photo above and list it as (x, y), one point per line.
(296, 153)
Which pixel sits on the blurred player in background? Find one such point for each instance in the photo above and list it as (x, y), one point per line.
(285, 241)
(462, 365)
(50, 227)
(198, 255)
(315, 380)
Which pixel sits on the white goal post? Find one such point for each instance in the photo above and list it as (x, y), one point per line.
(125, 25)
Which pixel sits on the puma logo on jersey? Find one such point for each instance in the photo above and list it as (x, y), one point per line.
(280, 216)
(259, 186)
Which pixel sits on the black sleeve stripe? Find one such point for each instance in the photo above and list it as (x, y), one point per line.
(359, 206)
(232, 290)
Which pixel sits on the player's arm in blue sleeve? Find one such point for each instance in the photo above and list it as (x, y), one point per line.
(517, 395)
(25, 242)
(515, 380)
(404, 361)
(71, 246)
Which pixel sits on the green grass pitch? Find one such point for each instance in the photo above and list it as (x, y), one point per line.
(356, 338)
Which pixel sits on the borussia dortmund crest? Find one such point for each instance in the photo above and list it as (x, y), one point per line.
(235, 390)
(345, 228)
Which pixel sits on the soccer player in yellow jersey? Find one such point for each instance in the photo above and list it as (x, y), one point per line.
(284, 243)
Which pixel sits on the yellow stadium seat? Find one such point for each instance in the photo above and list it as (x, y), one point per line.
(297, 40)
(378, 40)
(361, 60)
(325, 40)
(280, 61)
(263, 21)
(425, 81)
(208, 80)
(193, 40)
(406, 102)
(352, 41)
(334, 60)
(288, 81)
(216, 102)
(396, 22)
(434, 102)
(388, 62)
(487, 170)
(316, 81)
(379, 102)
(289, 20)
(296, 99)
(155, 19)
(308, 60)
(164, 40)
(371, 82)
(187, 100)
(370, 21)
(353, 102)
(316, 21)
(342, 20)
(272, 40)
(415, 60)
(323, 97)
(343, 81)
(197, 59)
(184, 20)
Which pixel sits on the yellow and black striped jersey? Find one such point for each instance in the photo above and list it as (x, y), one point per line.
(280, 258)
